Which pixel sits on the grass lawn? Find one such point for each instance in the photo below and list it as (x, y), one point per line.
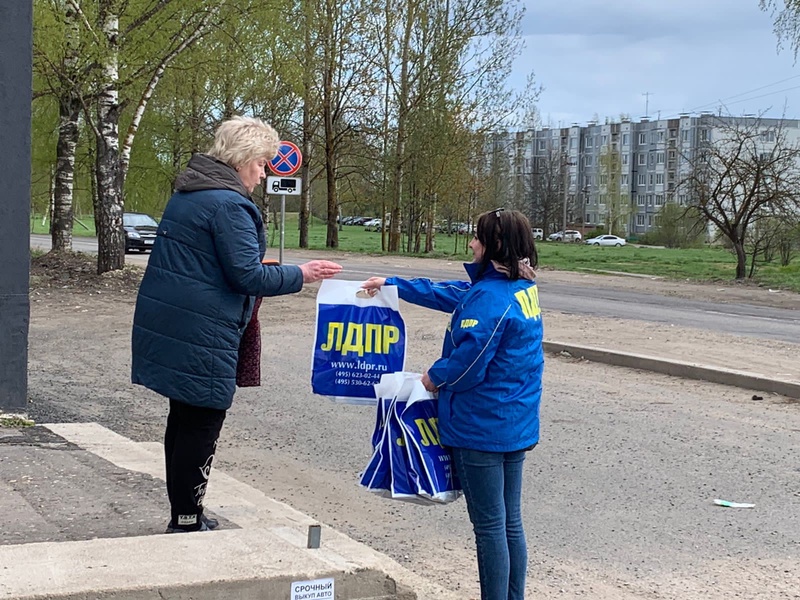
(705, 264)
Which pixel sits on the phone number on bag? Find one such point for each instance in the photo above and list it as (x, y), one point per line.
(342, 381)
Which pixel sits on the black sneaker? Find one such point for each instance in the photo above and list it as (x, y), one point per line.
(206, 524)
(209, 522)
(171, 529)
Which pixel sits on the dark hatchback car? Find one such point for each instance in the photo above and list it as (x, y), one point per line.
(140, 231)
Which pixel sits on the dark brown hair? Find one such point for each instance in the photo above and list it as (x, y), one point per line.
(507, 238)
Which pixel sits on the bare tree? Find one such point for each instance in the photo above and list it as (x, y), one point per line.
(786, 20)
(743, 173)
(615, 202)
(545, 191)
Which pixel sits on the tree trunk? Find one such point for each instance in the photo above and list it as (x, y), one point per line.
(332, 237)
(305, 172)
(108, 212)
(69, 107)
(402, 115)
(308, 84)
(741, 259)
(68, 132)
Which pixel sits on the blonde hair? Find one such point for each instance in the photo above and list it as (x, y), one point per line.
(243, 139)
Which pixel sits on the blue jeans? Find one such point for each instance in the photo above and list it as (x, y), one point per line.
(492, 483)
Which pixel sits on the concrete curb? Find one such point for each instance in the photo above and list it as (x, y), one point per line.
(261, 560)
(686, 370)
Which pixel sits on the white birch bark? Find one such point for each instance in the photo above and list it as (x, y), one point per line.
(108, 212)
(147, 94)
(69, 107)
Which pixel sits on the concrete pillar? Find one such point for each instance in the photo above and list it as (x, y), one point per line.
(16, 49)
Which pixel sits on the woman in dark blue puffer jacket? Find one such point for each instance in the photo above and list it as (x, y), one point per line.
(196, 298)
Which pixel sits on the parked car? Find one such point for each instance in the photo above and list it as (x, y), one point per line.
(372, 225)
(571, 236)
(606, 240)
(140, 231)
(538, 234)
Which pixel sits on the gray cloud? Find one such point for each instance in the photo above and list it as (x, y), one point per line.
(597, 57)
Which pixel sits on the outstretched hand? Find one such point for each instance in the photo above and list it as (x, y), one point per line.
(373, 285)
(316, 270)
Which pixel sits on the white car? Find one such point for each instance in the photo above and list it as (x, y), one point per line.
(372, 225)
(606, 240)
(572, 236)
(537, 233)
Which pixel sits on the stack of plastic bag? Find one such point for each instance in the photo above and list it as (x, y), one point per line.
(408, 461)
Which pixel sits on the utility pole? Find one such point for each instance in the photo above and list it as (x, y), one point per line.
(647, 103)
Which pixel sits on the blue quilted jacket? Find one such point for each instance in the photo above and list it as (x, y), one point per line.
(490, 372)
(197, 293)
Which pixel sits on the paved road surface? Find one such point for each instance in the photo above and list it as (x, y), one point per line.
(736, 319)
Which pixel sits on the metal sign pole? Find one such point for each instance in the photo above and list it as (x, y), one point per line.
(283, 226)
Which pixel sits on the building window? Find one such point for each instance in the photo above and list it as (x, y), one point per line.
(659, 158)
(603, 179)
(640, 220)
(588, 218)
(659, 199)
(682, 199)
(704, 135)
(589, 141)
(642, 138)
(768, 135)
(626, 139)
(659, 179)
(642, 159)
(642, 179)
(649, 220)
(542, 145)
(651, 179)
(660, 135)
(672, 155)
(685, 135)
(623, 179)
(589, 160)
(649, 199)
(625, 159)
(603, 140)
(640, 201)
(673, 133)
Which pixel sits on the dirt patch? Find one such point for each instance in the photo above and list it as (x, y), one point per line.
(76, 272)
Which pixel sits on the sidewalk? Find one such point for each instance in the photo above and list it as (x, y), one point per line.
(84, 512)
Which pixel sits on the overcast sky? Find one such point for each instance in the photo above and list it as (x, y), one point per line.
(598, 58)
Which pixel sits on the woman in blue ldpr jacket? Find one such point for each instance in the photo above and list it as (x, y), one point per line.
(196, 300)
(489, 382)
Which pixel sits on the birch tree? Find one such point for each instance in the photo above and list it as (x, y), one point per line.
(62, 67)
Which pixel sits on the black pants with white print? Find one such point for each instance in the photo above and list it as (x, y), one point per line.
(189, 445)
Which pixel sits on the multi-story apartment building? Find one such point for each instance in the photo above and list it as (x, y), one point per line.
(621, 173)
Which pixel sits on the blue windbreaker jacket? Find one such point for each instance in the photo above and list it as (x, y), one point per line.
(197, 293)
(490, 372)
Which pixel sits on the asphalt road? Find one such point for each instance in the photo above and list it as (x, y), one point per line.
(618, 497)
(736, 319)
